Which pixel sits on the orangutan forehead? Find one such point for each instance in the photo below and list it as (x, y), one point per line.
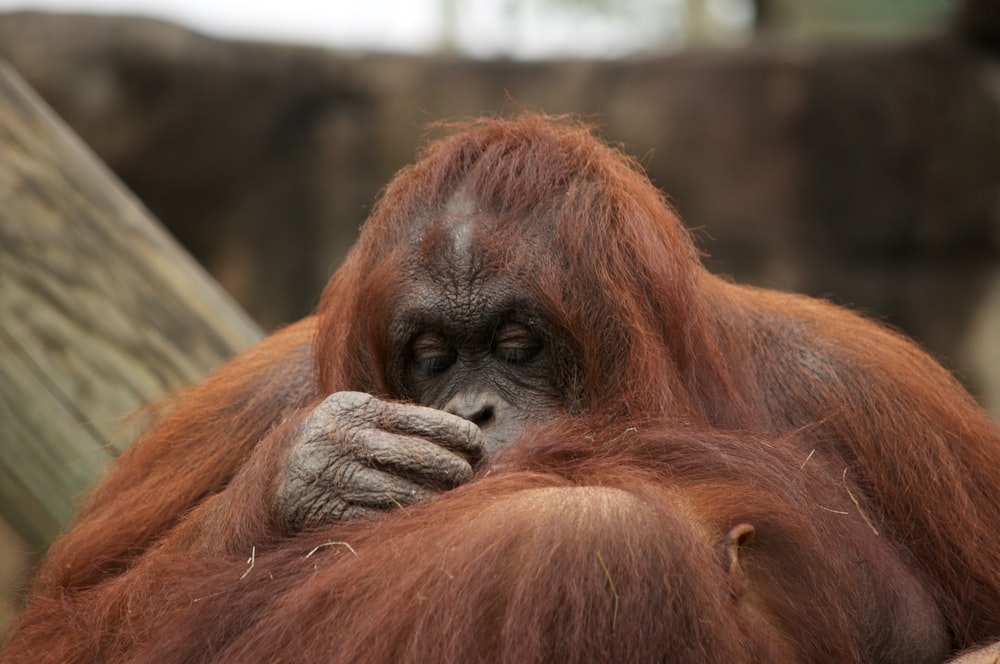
(456, 239)
(461, 221)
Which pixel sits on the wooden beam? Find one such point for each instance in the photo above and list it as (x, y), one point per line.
(101, 311)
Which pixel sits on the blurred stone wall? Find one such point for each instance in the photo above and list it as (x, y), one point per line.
(868, 173)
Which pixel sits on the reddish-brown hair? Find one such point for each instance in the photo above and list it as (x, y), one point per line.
(615, 557)
(589, 236)
(578, 226)
(650, 336)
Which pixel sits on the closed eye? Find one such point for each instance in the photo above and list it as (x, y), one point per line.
(515, 343)
(430, 354)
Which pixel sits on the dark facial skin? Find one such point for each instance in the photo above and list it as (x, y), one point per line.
(473, 362)
(490, 365)
(468, 340)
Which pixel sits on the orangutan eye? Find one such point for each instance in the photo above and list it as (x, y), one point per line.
(430, 354)
(515, 343)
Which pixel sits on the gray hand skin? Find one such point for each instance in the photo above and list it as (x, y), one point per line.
(355, 455)
(986, 655)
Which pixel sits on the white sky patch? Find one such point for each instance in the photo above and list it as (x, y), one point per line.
(479, 28)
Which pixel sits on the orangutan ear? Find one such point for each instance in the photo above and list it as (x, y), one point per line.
(738, 536)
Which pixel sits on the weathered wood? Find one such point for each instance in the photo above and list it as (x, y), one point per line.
(100, 313)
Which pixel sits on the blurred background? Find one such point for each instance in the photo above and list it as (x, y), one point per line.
(848, 149)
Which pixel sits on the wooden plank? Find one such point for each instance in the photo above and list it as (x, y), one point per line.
(100, 313)
(43, 444)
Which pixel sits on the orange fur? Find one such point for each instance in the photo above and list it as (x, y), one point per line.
(579, 228)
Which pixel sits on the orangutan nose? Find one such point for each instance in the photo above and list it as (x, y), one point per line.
(480, 407)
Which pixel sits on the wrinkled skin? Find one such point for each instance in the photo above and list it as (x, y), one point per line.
(356, 454)
(985, 655)
(470, 349)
